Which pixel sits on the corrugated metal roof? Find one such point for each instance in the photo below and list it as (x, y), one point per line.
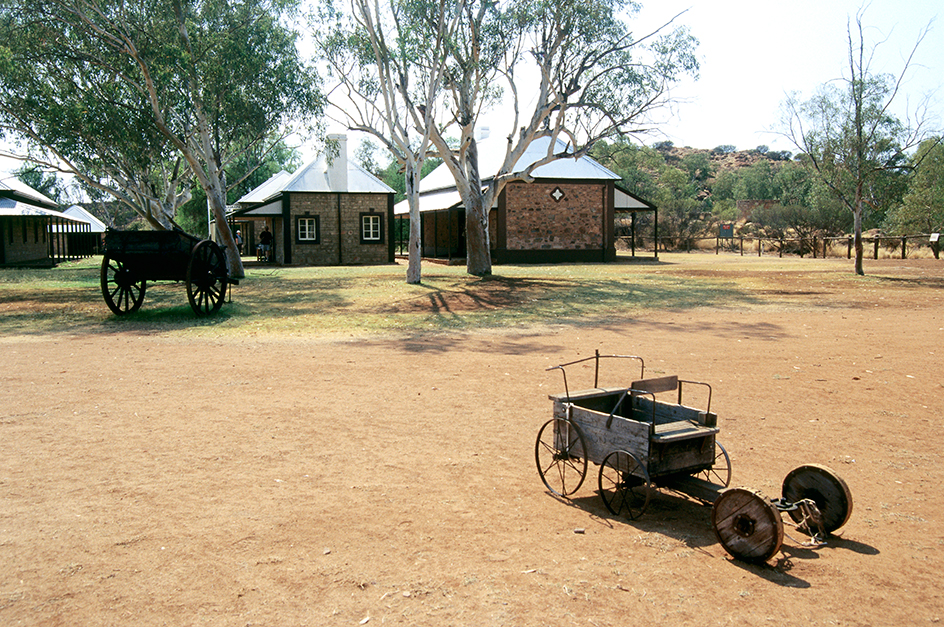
(14, 186)
(10, 207)
(492, 154)
(313, 177)
(81, 213)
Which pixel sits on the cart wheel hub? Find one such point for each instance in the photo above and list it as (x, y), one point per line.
(744, 525)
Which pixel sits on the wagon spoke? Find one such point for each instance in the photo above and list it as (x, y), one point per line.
(560, 455)
(624, 484)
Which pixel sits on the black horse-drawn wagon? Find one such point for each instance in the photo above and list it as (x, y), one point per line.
(133, 258)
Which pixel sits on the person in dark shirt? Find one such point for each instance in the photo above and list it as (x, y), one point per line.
(265, 240)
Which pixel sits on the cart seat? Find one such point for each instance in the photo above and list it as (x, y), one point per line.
(681, 430)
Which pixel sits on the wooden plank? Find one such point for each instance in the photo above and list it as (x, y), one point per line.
(696, 488)
(667, 412)
(656, 385)
(623, 434)
(683, 430)
(580, 395)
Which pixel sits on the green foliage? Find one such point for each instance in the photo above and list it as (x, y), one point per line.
(136, 99)
(922, 208)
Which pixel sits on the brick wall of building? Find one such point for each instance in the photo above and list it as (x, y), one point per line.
(24, 239)
(339, 241)
(537, 220)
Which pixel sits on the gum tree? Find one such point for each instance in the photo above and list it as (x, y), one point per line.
(569, 71)
(849, 136)
(136, 98)
(387, 75)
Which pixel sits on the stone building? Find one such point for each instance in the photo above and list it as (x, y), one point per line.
(567, 214)
(329, 212)
(33, 232)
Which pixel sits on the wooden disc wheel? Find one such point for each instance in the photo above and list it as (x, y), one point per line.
(747, 525)
(122, 289)
(824, 487)
(561, 456)
(624, 485)
(207, 278)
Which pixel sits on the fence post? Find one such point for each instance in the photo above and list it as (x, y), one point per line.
(781, 247)
(904, 244)
(876, 246)
(814, 247)
(742, 245)
(849, 248)
(760, 247)
(825, 241)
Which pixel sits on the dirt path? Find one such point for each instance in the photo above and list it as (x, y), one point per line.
(158, 481)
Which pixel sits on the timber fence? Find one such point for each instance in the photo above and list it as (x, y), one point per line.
(817, 247)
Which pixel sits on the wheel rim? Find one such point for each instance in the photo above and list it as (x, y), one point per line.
(825, 488)
(747, 525)
(720, 471)
(561, 456)
(624, 485)
(122, 289)
(206, 278)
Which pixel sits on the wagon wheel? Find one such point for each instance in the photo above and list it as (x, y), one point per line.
(823, 487)
(207, 278)
(624, 484)
(720, 471)
(561, 456)
(123, 289)
(747, 525)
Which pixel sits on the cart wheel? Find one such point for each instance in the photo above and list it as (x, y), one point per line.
(747, 525)
(624, 484)
(122, 289)
(207, 278)
(823, 487)
(720, 471)
(561, 456)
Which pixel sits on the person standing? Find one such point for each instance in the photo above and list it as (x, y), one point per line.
(265, 240)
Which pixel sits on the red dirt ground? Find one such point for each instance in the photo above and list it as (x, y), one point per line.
(160, 481)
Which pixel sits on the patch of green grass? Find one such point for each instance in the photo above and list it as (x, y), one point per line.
(369, 300)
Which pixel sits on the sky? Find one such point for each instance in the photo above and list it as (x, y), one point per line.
(753, 52)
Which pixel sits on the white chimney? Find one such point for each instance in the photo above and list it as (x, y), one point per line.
(336, 156)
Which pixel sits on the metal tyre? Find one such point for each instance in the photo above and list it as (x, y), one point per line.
(122, 289)
(720, 471)
(560, 453)
(624, 485)
(824, 487)
(207, 278)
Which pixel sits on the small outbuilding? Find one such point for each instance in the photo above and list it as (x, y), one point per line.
(329, 212)
(32, 231)
(567, 214)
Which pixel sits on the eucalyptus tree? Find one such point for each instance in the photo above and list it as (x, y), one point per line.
(847, 133)
(569, 71)
(922, 208)
(136, 98)
(386, 62)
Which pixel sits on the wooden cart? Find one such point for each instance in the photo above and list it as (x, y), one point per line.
(133, 258)
(641, 443)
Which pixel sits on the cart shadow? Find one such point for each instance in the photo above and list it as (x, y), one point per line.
(688, 521)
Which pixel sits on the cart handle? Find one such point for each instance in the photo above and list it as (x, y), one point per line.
(708, 408)
(596, 372)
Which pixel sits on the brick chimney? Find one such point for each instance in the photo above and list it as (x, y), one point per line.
(337, 162)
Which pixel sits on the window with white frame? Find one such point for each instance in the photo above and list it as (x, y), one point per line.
(306, 230)
(371, 228)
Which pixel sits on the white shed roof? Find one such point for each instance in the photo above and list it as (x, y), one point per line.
(492, 154)
(81, 213)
